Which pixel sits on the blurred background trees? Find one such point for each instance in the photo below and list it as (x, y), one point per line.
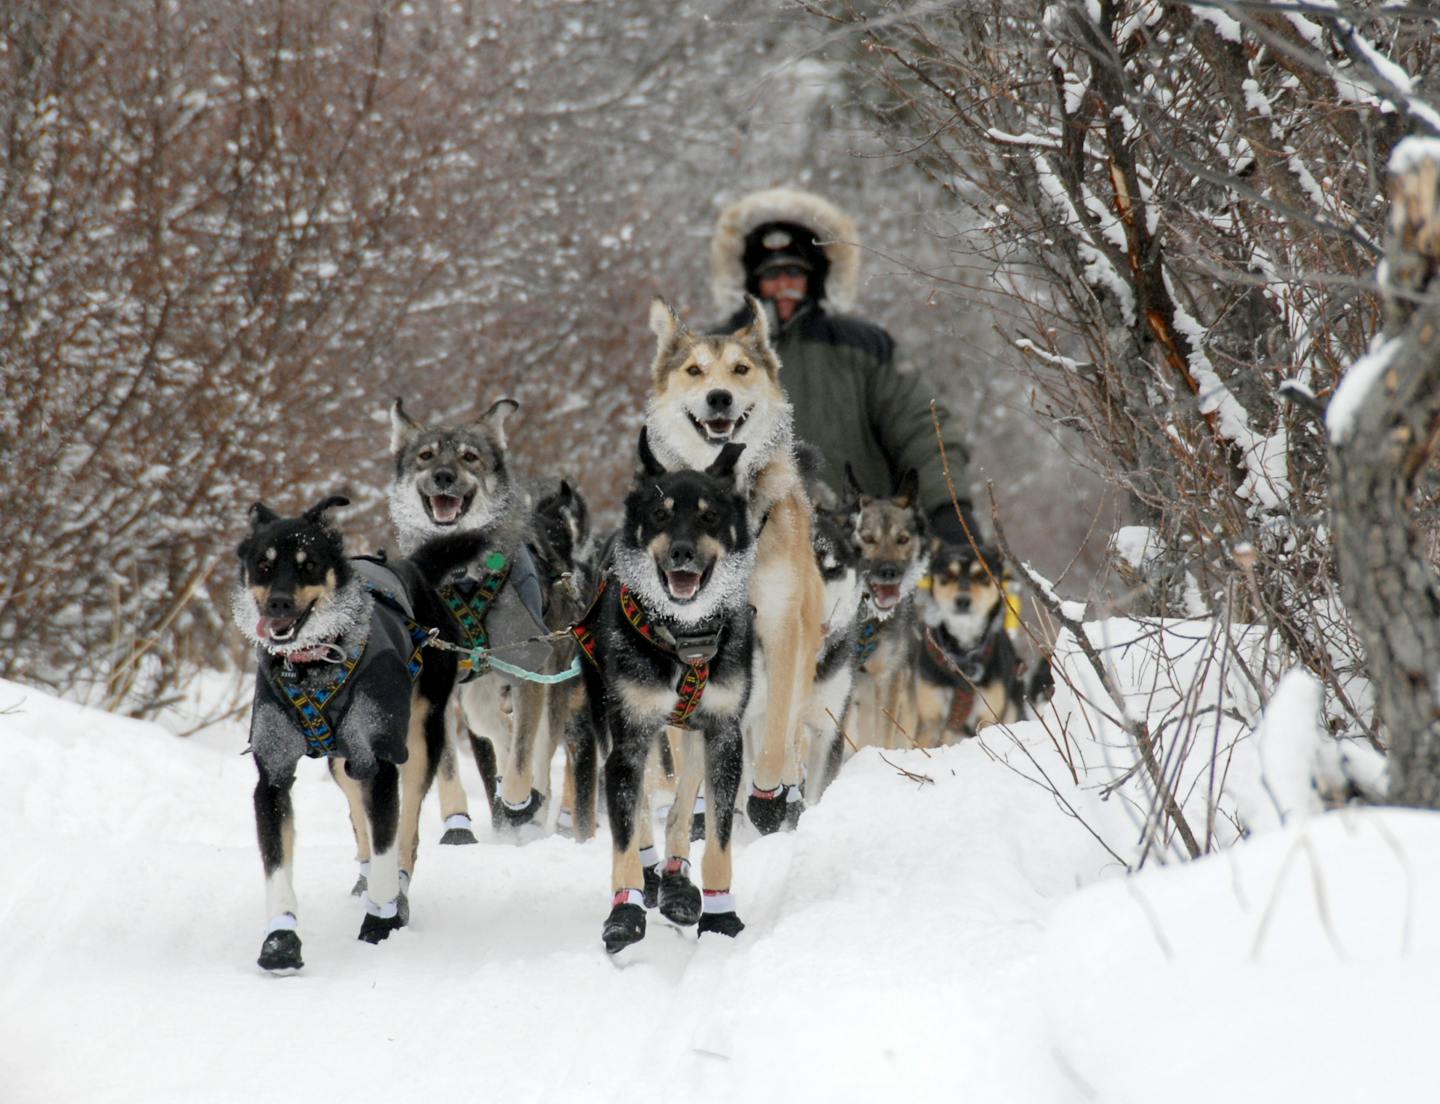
(1109, 232)
(232, 234)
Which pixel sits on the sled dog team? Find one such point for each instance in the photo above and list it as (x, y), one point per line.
(727, 631)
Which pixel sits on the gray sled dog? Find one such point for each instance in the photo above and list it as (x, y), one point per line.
(460, 516)
(710, 391)
(343, 674)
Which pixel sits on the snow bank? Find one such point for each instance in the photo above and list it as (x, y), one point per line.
(1299, 966)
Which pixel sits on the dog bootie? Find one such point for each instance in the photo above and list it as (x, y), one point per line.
(626, 923)
(766, 810)
(281, 949)
(650, 868)
(458, 831)
(381, 920)
(719, 914)
(504, 815)
(679, 897)
(565, 824)
(721, 923)
(794, 806)
(651, 893)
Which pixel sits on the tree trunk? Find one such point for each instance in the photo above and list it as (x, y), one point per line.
(1384, 421)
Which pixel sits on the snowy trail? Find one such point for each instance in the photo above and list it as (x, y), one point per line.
(938, 943)
(891, 945)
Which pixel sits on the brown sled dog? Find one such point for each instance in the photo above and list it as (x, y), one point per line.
(890, 533)
(711, 391)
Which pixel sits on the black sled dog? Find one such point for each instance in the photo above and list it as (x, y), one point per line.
(343, 675)
(669, 643)
(563, 552)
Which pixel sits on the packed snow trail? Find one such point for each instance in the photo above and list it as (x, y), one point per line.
(922, 942)
(892, 943)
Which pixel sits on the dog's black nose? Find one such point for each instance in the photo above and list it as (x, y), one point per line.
(719, 401)
(681, 556)
(962, 601)
(886, 573)
(444, 478)
(280, 605)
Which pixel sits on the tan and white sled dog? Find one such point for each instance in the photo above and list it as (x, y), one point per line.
(890, 533)
(710, 391)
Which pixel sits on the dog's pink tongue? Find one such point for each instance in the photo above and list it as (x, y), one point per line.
(262, 628)
(885, 595)
(682, 584)
(446, 508)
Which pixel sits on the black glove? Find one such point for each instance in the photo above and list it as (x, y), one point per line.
(945, 525)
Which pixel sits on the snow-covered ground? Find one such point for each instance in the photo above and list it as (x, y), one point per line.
(956, 939)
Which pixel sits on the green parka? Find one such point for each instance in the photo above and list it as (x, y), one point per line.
(853, 405)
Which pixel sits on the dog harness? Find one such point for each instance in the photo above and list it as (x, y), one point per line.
(394, 641)
(468, 600)
(694, 651)
(867, 639)
(969, 667)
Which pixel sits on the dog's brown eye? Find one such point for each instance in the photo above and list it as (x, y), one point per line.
(425, 455)
(741, 368)
(866, 538)
(469, 456)
(694, 370)
(903, 538)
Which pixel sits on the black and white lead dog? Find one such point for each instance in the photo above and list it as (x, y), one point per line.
(670, 644)
(342, 675)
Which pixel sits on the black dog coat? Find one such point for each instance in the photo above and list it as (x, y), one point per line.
(359, 708)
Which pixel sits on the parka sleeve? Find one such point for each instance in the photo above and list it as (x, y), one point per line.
(900, 416)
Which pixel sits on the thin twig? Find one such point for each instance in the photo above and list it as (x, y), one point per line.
(891, 718)
(841, 729)
(919, 779)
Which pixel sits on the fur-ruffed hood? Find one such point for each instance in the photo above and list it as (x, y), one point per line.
(830, 225)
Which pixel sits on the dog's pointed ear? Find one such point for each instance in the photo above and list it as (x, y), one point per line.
(260, 514)
(494, 418)
(665, 323)
(317, 512)
(908, 492)
(566, 493)
(758, 328)
(403, 428)
(723, 466)
(649, 465)
(852, 485)
(670, 337)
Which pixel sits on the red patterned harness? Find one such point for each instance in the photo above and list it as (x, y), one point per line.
(692, 683)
